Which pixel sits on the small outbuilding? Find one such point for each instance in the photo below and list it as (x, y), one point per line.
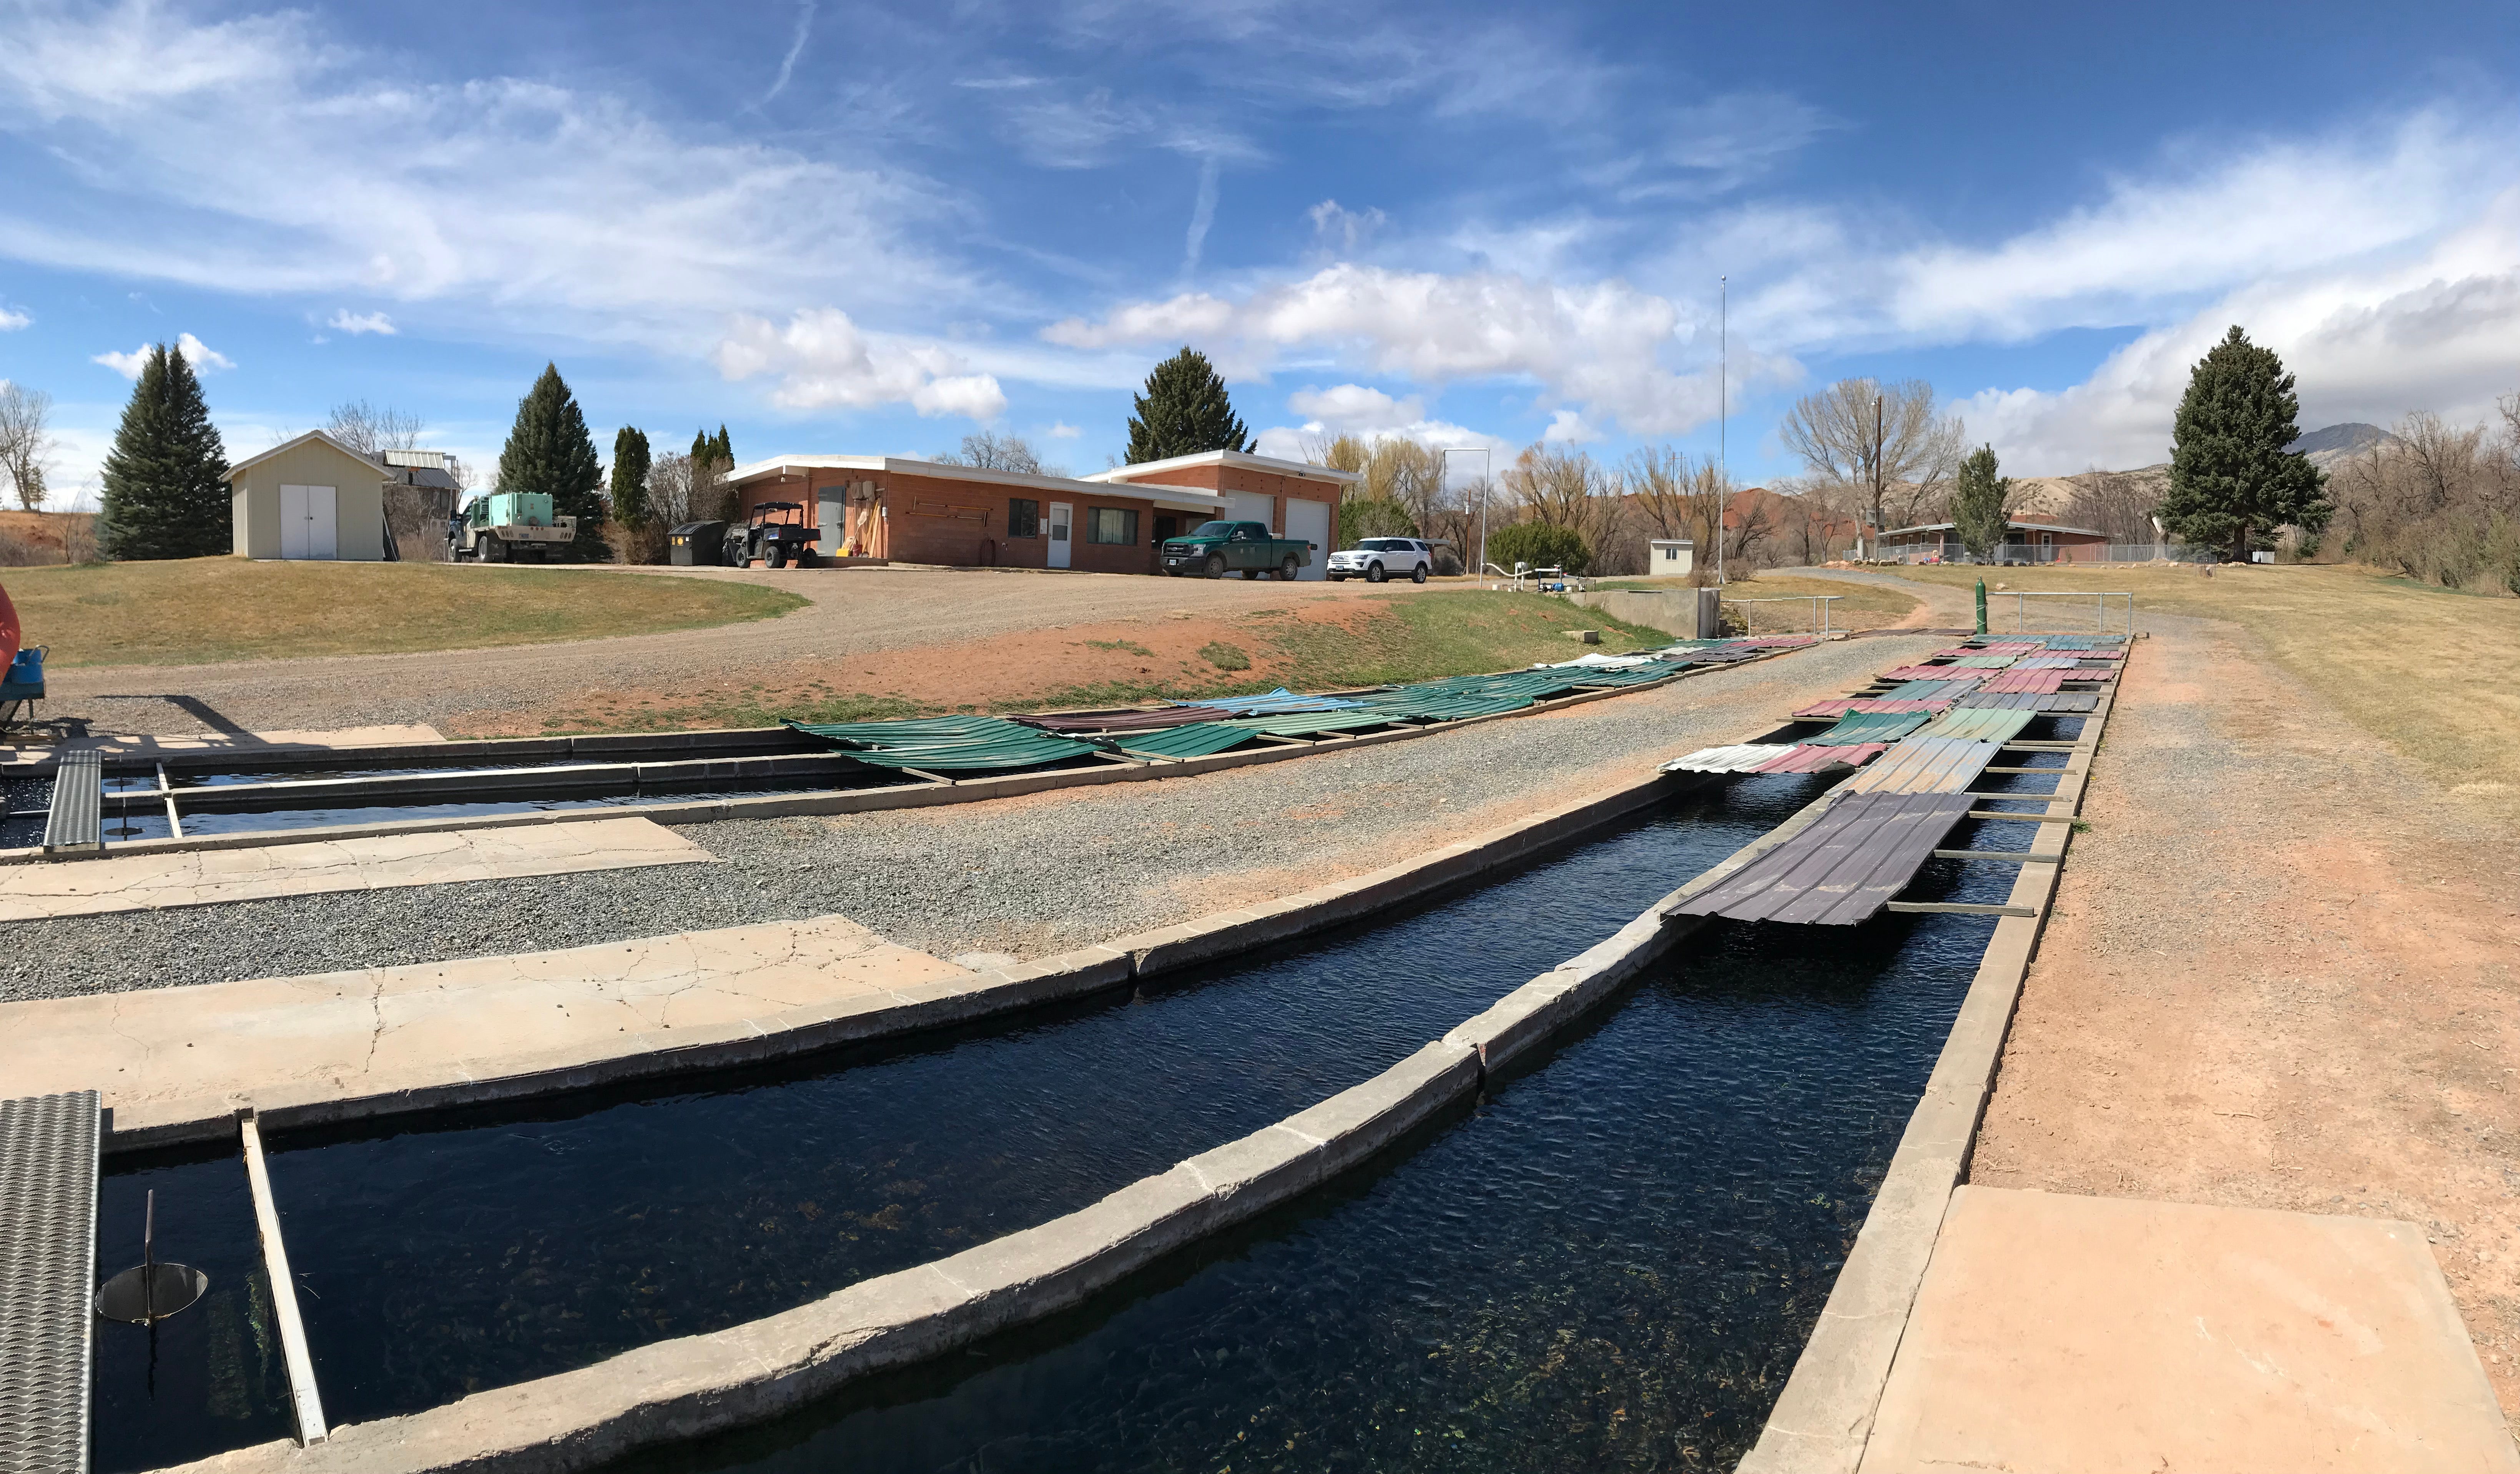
(310, 498)
(1672, 556)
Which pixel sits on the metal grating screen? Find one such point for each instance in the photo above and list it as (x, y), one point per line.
(48, 1146)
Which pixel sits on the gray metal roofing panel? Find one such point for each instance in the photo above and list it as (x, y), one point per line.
(48, 1157)
(2065, 702)
(1858, 855)
(1925, 765)
(1737, 757)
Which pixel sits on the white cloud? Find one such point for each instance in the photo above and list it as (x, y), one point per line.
(1342, 231)
(1354, 409)
(1569, 427)
(202, 356)
(343, 320)
(1202, 214)
(11, 322)
(796, 49)
(1599, 345)
(1062, 430)
(1350, 408)
(2370, 343)
(258, 154)
(824, 360)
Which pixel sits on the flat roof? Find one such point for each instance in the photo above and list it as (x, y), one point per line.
(781, 465)
(2009, 522)
(1240, 459)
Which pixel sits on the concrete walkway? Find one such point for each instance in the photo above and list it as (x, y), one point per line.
(194, 1053)
(207, 877)
(2078, 1335)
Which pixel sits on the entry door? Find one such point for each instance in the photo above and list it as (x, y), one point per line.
(307, 522)
(1061, 516)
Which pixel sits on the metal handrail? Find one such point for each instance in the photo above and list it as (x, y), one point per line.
(2099, 604)
(1819, 604)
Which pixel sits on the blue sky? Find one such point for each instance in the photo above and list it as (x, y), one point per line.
(873, 228)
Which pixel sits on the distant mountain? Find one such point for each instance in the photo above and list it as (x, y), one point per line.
(2326, 447)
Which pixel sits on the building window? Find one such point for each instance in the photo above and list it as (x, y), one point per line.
(1110, 524)
(1023, 518)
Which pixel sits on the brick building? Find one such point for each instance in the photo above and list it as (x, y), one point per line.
(922, 511)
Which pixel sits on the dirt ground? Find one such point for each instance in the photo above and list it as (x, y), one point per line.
(2284, 971)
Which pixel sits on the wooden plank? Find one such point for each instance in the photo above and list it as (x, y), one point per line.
(2012, 857)
(284, 1289)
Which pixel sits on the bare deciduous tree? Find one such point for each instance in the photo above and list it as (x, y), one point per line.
(2438, 502)
(2119, 503)
(368, 430)
(1881, 440)
(25, 440)
(987, 450)
(1685, 496)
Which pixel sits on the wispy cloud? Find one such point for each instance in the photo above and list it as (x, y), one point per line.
(796, 49)
(1202, 214)
(343, 320)
(10, 321)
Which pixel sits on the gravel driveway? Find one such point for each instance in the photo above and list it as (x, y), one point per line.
(854, 611)
(1028, 877)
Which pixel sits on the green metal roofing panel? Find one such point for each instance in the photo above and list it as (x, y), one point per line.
(1297, 724)
(1193, 740)
(1856, 728)
(948, 744)
(1639, 675)
(1983, 662)
(1979, 724)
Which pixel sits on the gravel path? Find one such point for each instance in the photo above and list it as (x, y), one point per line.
(854, 611)
(1028, 877)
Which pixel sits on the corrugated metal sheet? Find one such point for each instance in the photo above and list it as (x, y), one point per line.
(1196, 739)
(1838, 706)
(1124, 720)
(48, 1160)
(1918, 673)
(1604, 680)
(1297, 724)
(1813, 759)
(2025, 680)
(1858, 855)
(948, 744)
(2084, 642)
(1858, 727)
(2065, 701)
(1928, 688)
(1979, 724)
(1983, 662)
(1739, 757)
(1925, 765)
(1990, 648)
(2046, 663)
(1280, 701)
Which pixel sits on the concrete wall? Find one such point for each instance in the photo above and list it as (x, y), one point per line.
(358, 501)
(1670, 611)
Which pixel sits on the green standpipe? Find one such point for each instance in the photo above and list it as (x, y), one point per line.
(1981, 606)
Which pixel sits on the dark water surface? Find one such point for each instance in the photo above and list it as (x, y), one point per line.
(500, 1247)
(1611, 1264)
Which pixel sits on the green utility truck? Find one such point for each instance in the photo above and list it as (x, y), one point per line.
(510, 526)
(1211, 548)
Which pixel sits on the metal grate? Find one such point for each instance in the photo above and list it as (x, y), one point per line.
(48, 1146)
(77, 820)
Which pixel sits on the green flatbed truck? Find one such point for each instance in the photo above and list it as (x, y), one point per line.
(1247, 548)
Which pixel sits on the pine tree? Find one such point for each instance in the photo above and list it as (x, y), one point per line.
(2231, 481)
(1980, 504)
(630, 462)
(166, 479)
(1184, 412)
(550, 451)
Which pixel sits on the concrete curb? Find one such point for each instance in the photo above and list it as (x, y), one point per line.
(749, 1373)
(1824, 1418)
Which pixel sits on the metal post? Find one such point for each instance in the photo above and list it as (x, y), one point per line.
(1487, 475)
(1981, 606)
(1723, 418)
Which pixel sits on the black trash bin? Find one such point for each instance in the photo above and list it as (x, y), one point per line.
(697, 545)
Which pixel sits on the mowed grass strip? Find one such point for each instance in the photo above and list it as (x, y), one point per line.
(192, 612)
(2428, 670)
(1858, 606)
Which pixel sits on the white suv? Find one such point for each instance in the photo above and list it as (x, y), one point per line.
(1376, 558)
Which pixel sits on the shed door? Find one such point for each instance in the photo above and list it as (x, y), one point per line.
(307, 528)
(1251, 506)
(1309, 522)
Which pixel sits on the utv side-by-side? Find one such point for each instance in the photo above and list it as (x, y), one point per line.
(778, 534)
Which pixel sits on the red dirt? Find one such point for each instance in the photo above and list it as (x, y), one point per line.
(2280, 973)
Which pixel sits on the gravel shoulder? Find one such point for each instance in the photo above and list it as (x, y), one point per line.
(2282, 971)
(1028, 877)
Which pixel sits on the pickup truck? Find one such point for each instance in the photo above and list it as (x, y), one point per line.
(1211, 548)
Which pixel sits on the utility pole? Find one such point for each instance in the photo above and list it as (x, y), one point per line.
(1876, 476)
(1723, 416)
(1487, 488)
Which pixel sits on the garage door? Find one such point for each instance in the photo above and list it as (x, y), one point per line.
(1310, 520)
(1251, 506)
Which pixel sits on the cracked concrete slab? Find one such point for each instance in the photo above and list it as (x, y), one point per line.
(2072, 1334)
(207, 877)
(180, 1053)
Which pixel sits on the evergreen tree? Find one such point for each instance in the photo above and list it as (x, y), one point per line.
(550, 451)
(1185, 411)
(630, 460)
(1980, 504)
(2231, 481)
(166, 488)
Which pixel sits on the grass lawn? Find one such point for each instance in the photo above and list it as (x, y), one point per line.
(192, 612)
(2427, 669)
(1858, 606)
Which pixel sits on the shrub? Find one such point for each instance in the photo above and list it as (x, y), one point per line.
(1373, 517)
(1541, 546)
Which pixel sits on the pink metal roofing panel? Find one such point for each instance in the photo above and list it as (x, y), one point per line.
(2064, 703)
(1860, 853)
(1991, 648)
(1929, 673)
(2046, 662)
(2024, 679)
(1818, 759)
(1925, 765)
(1838, 706)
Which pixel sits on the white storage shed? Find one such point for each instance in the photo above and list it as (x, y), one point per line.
(310, 497)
